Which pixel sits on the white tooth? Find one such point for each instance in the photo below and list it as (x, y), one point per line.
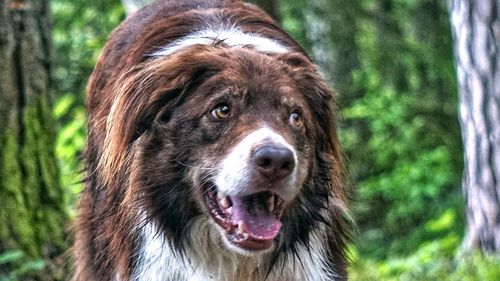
(229, 210)
(245, 235)
(224, 202)
(220, 195)
(241, 227)
(270, 203)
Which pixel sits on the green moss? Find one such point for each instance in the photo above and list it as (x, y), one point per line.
(16, 231)
(47, 159)
(43, 177)
(31, 196)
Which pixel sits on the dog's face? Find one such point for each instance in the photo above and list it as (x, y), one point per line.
(248, 134)
(235, 142)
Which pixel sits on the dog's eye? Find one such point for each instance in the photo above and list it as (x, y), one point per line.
(221, 111)
(295, 119)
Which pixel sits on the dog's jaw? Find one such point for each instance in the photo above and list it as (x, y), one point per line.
(246, 206)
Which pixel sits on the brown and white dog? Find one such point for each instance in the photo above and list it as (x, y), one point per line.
(212, 153)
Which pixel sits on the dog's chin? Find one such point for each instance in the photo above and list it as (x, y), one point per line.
(249, 224)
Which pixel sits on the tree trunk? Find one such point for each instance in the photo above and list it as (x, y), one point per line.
(270, 6)
(132, 6)
(334, 49)
(32, 213)
(476, 31)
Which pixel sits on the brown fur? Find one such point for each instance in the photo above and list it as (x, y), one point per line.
(134, 100)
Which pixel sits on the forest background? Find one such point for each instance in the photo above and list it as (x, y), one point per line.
(391, 63)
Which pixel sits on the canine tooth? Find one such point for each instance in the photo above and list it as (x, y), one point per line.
(229, 210)
(241, 227)
(270, 203)
(224, 202)
(245, 235)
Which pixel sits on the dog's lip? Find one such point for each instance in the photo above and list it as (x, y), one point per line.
(239, 229)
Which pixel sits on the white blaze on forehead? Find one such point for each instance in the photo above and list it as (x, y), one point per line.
(232, 37)
(235, 176)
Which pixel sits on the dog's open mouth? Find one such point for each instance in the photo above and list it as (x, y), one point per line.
(251, 222)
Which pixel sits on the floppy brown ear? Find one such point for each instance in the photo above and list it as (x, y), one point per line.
(154, 87)
(327, 139)
(319, 95)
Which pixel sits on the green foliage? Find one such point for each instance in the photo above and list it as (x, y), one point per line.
(401, 133)
(432, 261)
(70, 142)
(80, 31)
(15, 265)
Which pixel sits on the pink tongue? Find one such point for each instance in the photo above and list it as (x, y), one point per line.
(259, 222)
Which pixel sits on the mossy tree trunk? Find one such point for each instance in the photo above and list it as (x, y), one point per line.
(32, 213)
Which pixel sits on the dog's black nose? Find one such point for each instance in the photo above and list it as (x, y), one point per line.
(274, 162)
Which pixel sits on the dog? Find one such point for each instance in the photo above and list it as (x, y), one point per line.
(212, 153)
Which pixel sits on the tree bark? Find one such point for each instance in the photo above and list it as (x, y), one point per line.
(32, 212)
(476, 32)
(131, 6)
(270, 6)
(334, 49)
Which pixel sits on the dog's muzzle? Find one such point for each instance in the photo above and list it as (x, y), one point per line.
(255, 182)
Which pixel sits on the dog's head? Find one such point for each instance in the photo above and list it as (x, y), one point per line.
(242, 139)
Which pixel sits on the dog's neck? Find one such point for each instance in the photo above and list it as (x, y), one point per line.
(207, 259)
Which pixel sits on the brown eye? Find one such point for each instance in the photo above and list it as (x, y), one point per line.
(221, 111)
(295, 119)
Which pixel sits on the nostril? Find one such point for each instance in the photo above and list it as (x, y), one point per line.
(264, 162)
(287, 165)
(274, 162)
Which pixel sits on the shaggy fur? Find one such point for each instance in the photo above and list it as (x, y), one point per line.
(153, 145)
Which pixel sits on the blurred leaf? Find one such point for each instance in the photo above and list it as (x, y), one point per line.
(444, 222)
(31, 266)
(11, 256)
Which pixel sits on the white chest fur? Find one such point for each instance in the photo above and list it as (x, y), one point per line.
(207, 260)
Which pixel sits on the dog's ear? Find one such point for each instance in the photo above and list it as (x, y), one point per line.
(320, 97)
(150, 91)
